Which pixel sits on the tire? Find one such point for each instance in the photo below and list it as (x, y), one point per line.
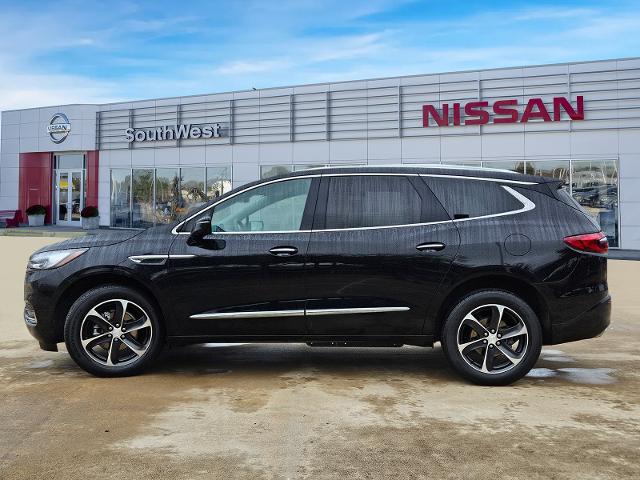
(486, 355)
(101, 344)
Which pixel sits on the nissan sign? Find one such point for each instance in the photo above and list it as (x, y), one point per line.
(173, 132)
(59, 128)
(504, 111)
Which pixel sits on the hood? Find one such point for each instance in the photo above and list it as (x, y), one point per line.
(102, 238)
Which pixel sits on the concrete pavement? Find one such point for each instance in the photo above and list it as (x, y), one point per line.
(290, 411)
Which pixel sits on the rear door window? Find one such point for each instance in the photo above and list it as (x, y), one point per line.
(468, 198)
(376, 201)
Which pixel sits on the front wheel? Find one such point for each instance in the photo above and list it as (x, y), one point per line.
(112, 331)
(492, 337)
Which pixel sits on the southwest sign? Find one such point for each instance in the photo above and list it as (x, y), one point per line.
(504, 111)
(173, 132)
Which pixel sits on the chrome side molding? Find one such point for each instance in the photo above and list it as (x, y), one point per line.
(157, 259)
(149, 259)
(351, 311)
(296, 313)
(258, 314)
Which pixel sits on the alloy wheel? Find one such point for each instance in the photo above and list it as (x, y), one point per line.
(116, 332)
(492, 339)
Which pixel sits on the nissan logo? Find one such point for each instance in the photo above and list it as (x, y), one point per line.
(59, 128)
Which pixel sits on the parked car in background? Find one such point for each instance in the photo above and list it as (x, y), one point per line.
(491, 264)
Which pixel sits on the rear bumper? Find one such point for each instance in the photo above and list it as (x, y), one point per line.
(588, 324)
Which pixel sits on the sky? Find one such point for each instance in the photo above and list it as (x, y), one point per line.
(67, 51)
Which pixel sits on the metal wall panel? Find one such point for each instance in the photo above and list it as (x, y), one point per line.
(385, 108)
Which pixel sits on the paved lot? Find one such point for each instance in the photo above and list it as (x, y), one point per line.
(265, 411)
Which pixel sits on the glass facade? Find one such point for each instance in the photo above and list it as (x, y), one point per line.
(147, 196)
(144, 197)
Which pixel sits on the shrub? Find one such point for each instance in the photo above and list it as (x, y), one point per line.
(36, 210)
(89, 212)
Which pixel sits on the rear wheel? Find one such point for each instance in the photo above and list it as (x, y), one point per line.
(112, 331)
(492, 337)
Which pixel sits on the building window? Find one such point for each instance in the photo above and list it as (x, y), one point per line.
(143, 197)
(69, 161)
(594, 184)
(121, 198)
(167, 194)
(269, 171)
(462, 163)
(218, 181)
(192, 192)
(559, 169)
(515, 166)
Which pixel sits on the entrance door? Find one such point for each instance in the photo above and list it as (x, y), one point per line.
(69, 197)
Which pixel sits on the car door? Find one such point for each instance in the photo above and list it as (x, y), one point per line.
(379, 248)
(247, 276)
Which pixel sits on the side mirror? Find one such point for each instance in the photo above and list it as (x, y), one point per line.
(201, 229)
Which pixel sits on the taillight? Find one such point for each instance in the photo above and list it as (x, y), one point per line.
(588, 242)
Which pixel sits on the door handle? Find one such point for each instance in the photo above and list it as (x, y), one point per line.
(283, 251)
(430, 247)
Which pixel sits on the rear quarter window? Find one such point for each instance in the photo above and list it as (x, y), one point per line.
(467, 198)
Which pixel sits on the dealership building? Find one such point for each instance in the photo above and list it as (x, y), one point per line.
(145, 162)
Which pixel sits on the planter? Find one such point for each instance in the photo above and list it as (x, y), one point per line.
(36, 220)
(90, 223)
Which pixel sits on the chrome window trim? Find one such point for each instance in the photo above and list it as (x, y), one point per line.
(527, 204)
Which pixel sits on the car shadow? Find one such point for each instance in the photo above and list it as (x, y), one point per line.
(274, 359)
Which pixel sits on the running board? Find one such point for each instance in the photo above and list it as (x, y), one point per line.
(354, 344)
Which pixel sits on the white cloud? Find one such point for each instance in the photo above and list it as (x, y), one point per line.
(343, 48)
(553, 13)
(244, 67)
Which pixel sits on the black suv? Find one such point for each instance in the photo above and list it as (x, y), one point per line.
(490, 263)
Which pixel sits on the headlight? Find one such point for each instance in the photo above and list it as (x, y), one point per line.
(54, 258)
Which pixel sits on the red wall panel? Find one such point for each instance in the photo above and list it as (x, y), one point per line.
(35, 182)
(92, 178)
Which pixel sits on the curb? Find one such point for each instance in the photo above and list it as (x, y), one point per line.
(31, 233)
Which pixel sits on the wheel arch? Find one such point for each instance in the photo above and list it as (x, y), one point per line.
(92, 279)
(506, 282)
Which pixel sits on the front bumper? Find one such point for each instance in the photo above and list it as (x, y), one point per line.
(588, 324)
(39, 297)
